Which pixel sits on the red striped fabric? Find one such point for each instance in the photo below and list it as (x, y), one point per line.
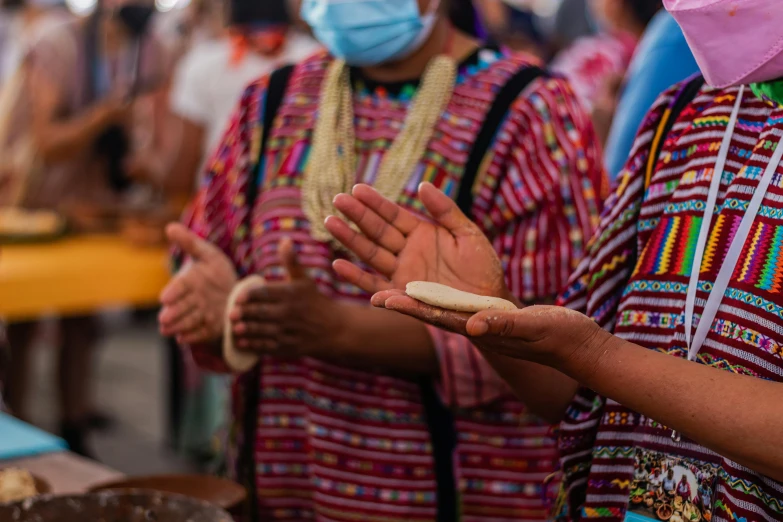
(338, 444)
(634, 281)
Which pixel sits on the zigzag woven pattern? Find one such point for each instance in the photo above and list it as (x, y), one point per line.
(639, 271)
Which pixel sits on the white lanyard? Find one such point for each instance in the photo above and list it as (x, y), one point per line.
(737, 243)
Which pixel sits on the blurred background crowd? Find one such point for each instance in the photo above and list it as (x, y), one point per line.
(126, 99)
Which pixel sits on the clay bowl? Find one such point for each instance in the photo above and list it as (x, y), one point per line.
(223, 493)
(126, 506)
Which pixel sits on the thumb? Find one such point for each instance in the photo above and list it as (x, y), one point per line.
(190, 243)
(445, 211)
(290, 261)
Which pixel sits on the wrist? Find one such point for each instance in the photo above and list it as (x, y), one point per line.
(583, 360)
(339, 330)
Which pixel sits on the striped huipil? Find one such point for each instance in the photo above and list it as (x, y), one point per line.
(634, 282)
(333, 443)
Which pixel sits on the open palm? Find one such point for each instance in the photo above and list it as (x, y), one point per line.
(404, 247)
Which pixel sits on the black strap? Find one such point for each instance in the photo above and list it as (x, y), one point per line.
(684, 97)
(278, 83)
(494, 118)
(443, 438)
(439, 418)
(687, 95)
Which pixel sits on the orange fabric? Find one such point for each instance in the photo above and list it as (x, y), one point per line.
(269, 42)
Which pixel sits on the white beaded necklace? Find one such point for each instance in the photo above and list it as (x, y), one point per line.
(331, 168)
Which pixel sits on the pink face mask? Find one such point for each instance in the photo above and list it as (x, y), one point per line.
(734, 41)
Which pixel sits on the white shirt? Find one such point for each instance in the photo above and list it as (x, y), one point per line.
(16, 39)
(207, 87)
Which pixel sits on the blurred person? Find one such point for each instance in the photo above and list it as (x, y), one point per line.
(573, 21)
(513, 26)
(22, 23)
(666, 349)
(258, 39)
(84, 82)
(596, 64)
(661, 59)
(465, 15)
(354, 414)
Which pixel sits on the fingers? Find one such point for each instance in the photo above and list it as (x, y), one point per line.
(253, 329)
(174, 311)
(290, 261)
(351, 273)
(389, 211)
(524, 324)
(263, 337)
(371, 253)
(446, 319)
(176, 289)
(445, 211)
(270, 293)
(381, 297)
(191, 244)
(256, 312)
(373, 226)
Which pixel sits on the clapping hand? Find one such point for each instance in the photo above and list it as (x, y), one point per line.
(289, 318)
(195, 299)
(451, 250)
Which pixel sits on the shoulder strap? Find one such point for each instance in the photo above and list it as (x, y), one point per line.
(685, 96)
(494, 118)
(278, 83)
(441, 423)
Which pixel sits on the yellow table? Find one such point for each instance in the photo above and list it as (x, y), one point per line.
(77, 275)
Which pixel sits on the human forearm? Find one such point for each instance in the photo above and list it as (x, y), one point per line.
(56, 141)
(371, 337)
(183, 162)
(693, 399)
(545, 391)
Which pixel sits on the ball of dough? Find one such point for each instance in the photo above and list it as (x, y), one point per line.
(236, 360)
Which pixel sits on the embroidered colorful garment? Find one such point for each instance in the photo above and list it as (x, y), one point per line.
(620, 465)
(336, 444)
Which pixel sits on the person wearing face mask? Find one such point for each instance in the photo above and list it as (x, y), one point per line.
(83, 82)
(667, 346)
(356, 413)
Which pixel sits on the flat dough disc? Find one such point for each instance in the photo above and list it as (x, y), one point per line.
(450, 298)
(238, 361)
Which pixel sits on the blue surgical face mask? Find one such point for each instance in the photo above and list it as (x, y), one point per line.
(369, 32)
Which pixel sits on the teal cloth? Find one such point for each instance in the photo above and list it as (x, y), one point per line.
(205, 416)
(19, 439)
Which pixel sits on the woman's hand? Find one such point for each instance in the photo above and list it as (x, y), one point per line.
(404, 248)
(194, 301)
(290, 318)
(549, 335)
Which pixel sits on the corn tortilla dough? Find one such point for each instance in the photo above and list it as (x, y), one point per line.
(450, 298)
(238, 361)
